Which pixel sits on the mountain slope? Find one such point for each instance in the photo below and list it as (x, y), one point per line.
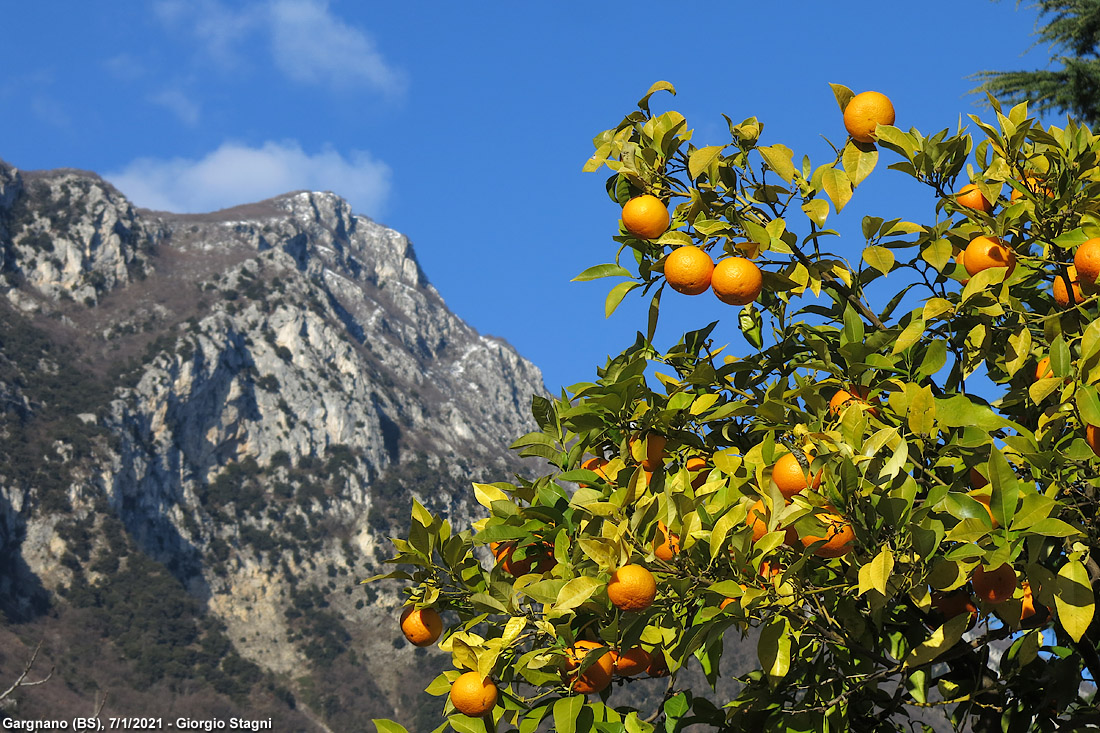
(240, 406)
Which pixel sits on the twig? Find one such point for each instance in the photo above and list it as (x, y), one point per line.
(20, 681)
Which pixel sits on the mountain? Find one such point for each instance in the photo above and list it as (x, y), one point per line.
(211, 424)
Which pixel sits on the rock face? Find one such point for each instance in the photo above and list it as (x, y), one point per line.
(250, 398)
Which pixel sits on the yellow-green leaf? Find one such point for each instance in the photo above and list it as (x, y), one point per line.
(922, 411)
(701, 159)
(616, 296)
(858, 161)
(575, 592)
(486, 494)
(879, 258)
(875, 574)
(909, 336)
(817, 210)
(1074, 599)
(939, 642)
(779, 158)
(774, 649)
(837, 186)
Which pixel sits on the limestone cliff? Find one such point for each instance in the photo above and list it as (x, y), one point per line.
(250, 399)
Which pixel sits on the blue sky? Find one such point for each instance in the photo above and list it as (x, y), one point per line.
(465, 125)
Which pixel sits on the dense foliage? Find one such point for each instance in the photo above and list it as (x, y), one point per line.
(937, 484)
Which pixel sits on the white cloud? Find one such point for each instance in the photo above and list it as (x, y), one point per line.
(236, 174)
(186, 109)
(307, 42)
(311, 45)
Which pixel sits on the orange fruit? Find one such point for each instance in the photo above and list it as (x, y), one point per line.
(996, 585)
(1029, 609)
(736, 281)
(597, 676)
(953, 603)
(839, 536)
(985, 252)
(654, 451)
(537, 559)
(1092, 437)
(790, 477)
(421, 626)
(631, 662)
(1061, 295)
(983, 498)
(972, 198)
(842, 397)
(697, 464)
(473, 695)
(666, 544)
(658, 667)
(864, 112)
(632, 588)
(645, 217)
(768, 570)
(1031, 183)
(595, 465)
(758, 520)
(688, 270)
(1043, 370)
(1087, 261)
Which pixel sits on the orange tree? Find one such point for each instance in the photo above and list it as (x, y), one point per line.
(925, 547)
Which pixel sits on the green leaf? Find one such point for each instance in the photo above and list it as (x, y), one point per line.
(1051, 527)
(939, 642)
(576, 592)
(566, 712)
(879, 258)
(858, 161)
(1005, 492)
(958, 411)
(388, 726)
(843, 95)
(778, 158)
(909, 336)
(701, 159)
(774, 649)
(922, 411)
(616, 296)
(817, 210)
(837, 186)
(597, 271)
(875, 574)
(1074, 599)
(661, 86)
(1033, 509)
(1088, 404)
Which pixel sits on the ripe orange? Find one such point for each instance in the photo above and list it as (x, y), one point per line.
(839, 536)
(953, 603)
(595, 465)
(632, 588)
(842, 397)
(864, 112)
(630, 662)
(1043, 370)
(666, 544)
(688, 270)
(473, 695)
(972, 198)
(658, 667)
(597, 676)
(1087, 261)
(1031, 183)
(421, 626)
(1029, 609)
(1061, 295)
(985, 252)
(758, 520)
(996, 585)
(654, 450)
(697, 464)
(789, 476)
(736, 281)
(1092, 437)
(645, 217)
(537, 559)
